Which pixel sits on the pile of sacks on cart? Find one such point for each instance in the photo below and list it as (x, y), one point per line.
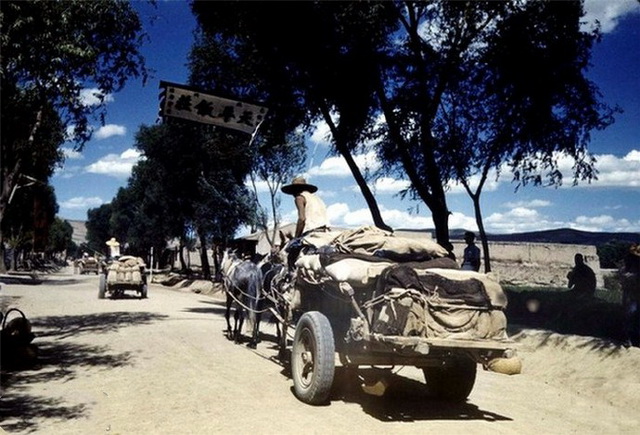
(408, 287)
(126, 269)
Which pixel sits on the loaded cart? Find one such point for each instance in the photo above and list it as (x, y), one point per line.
(382, 301)
(127, 273)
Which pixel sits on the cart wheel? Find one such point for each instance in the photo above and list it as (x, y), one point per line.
(143, 291)
(313, 358)
(452, 382)
(102, 287)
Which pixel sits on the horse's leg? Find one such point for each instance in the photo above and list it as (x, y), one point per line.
(255, 335)
(237, 325)
(227, 313)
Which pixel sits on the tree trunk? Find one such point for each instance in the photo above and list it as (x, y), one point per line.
(440, 216)
(483, 234)
(344, 151)
(183, 265)
(216, 262)
(364, 188)
(204, 260)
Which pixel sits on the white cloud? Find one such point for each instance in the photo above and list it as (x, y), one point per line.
(337, 166)
(613, 171)
(81, 202)
(261, 186)
(321, 134)
(66, 171)
(519, 219)
(535, 203)
(71, 154)
(389, 185)
(608, 12)
(91, 97)
(633, 156)
(618, 172)
(106, 131)
(331, 166)
(115, 165)
(336, 212)
(491, 184)
(605, 223)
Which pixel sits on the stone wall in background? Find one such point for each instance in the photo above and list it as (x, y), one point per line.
(535, 264)
(516, 263)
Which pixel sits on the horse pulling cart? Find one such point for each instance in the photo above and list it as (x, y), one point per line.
(389, 303)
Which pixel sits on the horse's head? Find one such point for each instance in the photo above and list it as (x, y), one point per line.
(278, 254)
(229, 257)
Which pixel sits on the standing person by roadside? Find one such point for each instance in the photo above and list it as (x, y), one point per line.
(582, 279)
(471, 257)
(312, 214)
(630, 280)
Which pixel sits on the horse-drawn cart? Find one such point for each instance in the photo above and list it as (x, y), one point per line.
(86, 264)
(373, 310)
(127, 273)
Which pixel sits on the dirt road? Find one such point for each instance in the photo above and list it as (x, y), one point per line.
(163, 366)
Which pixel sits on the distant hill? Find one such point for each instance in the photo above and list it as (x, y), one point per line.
(562, 235)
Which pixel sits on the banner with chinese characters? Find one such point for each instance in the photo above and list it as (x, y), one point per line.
(180, 101)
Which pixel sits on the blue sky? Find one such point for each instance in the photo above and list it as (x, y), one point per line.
(612, 203)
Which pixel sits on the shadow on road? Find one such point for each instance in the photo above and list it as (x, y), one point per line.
(212, 307)
(404, 400)
(61, 360)
(61, 327)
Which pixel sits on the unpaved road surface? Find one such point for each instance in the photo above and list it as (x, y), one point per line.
(162, 365)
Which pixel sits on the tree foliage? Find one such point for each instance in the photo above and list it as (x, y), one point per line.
(275, 166)
(519, 101)
(304, 69)
(190, 181)
(99, 228)
(51, 52)
(60, 238)
(444, 77)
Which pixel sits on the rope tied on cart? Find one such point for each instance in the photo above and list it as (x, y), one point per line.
(229, 286)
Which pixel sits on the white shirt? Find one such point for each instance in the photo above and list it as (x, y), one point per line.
(315, 212)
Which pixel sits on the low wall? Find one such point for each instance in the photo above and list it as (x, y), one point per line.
(517, 263)
(535, 264)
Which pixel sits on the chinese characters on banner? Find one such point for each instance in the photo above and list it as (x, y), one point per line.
(182, 102)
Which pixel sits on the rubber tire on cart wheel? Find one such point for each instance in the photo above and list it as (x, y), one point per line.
(143, 291)
(102, 287)
(313, 358)
(452, 382)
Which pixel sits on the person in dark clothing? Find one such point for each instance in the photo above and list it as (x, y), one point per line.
(471, 257)
(582, 279)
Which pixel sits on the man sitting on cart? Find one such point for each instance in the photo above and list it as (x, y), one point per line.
(312, 215)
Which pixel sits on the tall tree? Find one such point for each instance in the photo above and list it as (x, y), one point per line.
(51, 51)
(99, 228)
(419, 55)
(327, 79)
(191, 179)
(521, 102)
(60, 238)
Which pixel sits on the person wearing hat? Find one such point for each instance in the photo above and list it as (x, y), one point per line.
(630, 280)
(312, 212)
(471, 258)
(312, 215)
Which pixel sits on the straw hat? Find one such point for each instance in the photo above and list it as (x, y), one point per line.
(298, 185)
